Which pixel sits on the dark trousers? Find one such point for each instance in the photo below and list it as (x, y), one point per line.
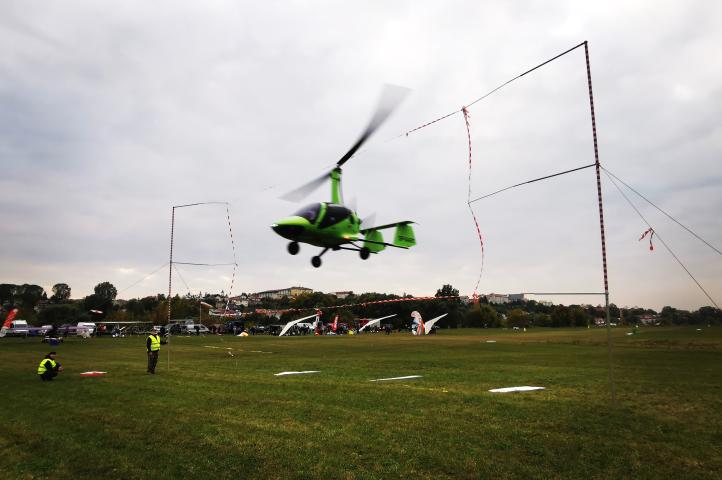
(48, 375)
(152, 361)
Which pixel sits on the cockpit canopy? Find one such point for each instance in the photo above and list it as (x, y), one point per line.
(309, 212)
(332, 215)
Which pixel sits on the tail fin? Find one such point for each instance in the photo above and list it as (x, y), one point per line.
(374, 241)
(404, 236)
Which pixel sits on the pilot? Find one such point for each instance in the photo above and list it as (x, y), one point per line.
(152, 344)
(49, 368)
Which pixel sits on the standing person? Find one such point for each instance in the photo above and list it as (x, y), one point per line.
(49, 368)
(152, 344)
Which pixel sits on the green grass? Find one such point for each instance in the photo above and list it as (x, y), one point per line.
(216, 416)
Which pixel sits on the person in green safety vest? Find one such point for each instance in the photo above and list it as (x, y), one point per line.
(152, 344)
(49, 368)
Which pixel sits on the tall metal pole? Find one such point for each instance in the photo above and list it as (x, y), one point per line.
(601, 226)
(170, 277)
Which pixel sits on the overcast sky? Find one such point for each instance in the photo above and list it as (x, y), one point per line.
(113, 112)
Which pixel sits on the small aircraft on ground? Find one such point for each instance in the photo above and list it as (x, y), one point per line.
(331, 225)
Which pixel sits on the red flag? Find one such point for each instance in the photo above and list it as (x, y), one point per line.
(650, 231)
(10, 317)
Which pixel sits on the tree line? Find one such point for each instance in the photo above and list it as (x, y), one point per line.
(39, 309)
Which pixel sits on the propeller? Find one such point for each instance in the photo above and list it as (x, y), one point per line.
(391, 97)
(368, 221)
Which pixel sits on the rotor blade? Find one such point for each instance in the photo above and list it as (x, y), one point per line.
(305, 190)
(391, 97)
(369, 221)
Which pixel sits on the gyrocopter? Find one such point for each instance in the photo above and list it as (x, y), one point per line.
(332, 225)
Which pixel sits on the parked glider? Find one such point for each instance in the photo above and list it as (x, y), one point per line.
(376, 321)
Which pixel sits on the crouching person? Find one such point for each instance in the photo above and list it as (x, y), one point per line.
(49, 368)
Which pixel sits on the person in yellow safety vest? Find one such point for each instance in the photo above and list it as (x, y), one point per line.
(49, 368)
(152, 344)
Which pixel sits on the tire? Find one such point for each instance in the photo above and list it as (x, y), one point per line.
(316, 261)
(365, 253)
(293, 248)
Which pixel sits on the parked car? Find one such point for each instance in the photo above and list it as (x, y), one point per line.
(84, 329)
(175, 328)
(18, 328)
(193, 328)
(274, 329)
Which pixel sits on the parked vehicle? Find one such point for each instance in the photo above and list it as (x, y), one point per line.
(196, 328)
(239, 325)
(18, 328)
(187, 328)
(274, 329)
(85, 329)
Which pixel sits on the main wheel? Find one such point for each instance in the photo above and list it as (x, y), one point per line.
(316, 261)
(293, 248)
(365, 253)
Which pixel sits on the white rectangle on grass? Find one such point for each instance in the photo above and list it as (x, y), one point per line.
(295, 373)
(515, 389)
(395, 378)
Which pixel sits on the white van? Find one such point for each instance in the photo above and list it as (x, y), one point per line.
(85, 329)
(191, 328)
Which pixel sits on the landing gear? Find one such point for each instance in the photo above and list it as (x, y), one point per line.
(293, 248)
(316, 261)
(364, 253)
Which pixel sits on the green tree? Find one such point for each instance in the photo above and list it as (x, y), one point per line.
(516, 318)
(578, 317)
(560, 316)
(61, 293)
(452, 306)
(57, 315)
(542, 320)
(106, 291)
(7, 294)
(707, 316)
(481, 315)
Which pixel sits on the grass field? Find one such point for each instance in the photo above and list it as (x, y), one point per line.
(215, 416)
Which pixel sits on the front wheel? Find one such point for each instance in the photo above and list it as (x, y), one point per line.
(365, 253)
(316, 261)
(293, 248)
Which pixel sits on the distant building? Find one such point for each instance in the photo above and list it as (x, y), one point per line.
(497, 298)
(284, 292)
(647, 319)
(516, 297)
(240, 300)
(342, 295)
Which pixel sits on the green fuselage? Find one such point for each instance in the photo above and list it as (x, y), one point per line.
(321, 224)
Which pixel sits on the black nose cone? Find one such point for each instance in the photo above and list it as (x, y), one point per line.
(288, 231)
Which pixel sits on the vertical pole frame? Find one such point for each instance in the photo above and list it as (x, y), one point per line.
(170, 276)
(601, 225)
